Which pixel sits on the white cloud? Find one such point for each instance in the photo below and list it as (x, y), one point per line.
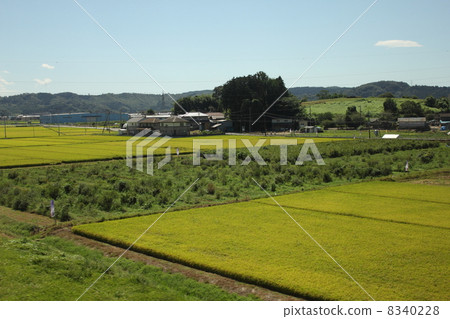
(47, 66)
(43, 81)
(4, 82)
(3, 90)
(398, 44)
(5, 72)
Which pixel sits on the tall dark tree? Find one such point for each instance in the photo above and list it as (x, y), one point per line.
(390, 106)
(247, 97)
(353, 118)
(411, 109)
(443, 104)
(430, 101)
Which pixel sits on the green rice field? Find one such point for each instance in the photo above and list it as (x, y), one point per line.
(26, 150)
(392, 237)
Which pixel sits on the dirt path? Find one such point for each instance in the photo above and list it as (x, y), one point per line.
(439, 179)
(24, 217)
(227, 284)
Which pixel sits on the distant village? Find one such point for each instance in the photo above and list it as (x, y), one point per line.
(190, 123)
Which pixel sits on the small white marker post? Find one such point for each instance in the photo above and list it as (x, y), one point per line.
(52, 210)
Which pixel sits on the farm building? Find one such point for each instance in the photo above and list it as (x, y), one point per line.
(216, 116)
(444, 119)
(174, 126)
(282, 124)
(223, 125)
(412, 123)
(68, 118)
(26, 118)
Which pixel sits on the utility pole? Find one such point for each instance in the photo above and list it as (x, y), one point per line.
(249, 118)
(4, 124)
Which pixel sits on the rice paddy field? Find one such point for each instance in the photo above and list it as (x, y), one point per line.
(46, 146)
(392, 237)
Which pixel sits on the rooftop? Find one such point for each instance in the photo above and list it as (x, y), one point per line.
(174, 119)
(192, 114)
(134, 119)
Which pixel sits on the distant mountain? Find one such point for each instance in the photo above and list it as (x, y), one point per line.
(398, 89)
(41, 103)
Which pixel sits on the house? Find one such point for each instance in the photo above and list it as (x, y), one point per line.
(302, 123)
(198, 120)
(149, 122)
(132, 125)
(159, 116)
(174, 126)
(412, 123)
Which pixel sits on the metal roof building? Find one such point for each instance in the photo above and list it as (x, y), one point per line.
(66, 118)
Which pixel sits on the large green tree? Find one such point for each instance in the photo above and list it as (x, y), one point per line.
(246, 98)
(390, 106)
(430, 101)
(444, 104)
(353, 118)
(411, 109)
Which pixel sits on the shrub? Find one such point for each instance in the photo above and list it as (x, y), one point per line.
(426, 157)
(106, 201)
(327, 178)
(21, 204)
(122, 186)
(13, 175)
(53, 190)
(67, 188)
(65, 217)
(210, 188)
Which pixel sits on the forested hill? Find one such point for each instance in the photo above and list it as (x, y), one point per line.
(374, 89)
(39, 103)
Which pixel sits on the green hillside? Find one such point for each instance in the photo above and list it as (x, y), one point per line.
(372, 105)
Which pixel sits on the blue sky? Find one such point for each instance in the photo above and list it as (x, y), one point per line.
(52, 45)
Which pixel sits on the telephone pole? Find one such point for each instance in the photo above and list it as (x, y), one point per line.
(4, 124)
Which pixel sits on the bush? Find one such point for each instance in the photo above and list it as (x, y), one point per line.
(53, 190)
(426, 157)
(21, 204)
(122, 186)
(13, 175)
(327, 178)
(106, 201)
(211, 189)
(65, 217)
